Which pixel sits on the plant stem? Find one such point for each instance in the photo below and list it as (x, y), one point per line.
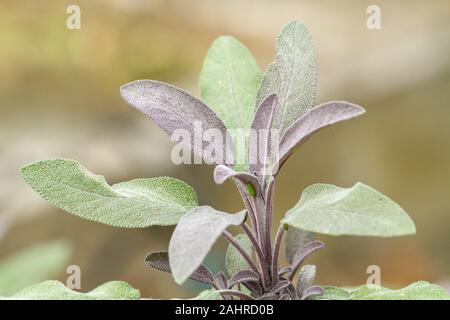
(258, 207)
(248, 206)
(264, 269)
(276, 252)
(241, 250)
(268, 218)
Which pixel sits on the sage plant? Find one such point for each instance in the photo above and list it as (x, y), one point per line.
(276, 112)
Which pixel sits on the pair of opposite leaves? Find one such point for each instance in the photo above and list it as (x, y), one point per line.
(229, 84)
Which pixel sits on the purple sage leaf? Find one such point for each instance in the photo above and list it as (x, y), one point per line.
(311, 292)
(305, 279)
(280, 286)
(172, 109)
(222, 173)
(220, 281)
(254, 287)
(315, 119)
(243, 276)
(304, 252)
(259, 145)
(160, 261)
(284, 270)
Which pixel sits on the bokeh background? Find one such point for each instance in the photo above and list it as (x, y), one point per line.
(59, 98)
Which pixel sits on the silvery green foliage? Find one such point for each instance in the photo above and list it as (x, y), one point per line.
(421, 290)
(283, 101)
(359, 210)
(55, 290)
(333, 293)
(137, 203)
(208, 295)
(193, 237)
(292, 76)
(229, 80)
(234, 261)
(32, 265)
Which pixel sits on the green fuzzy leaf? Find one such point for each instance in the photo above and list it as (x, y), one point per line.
(137, 203)
(55, 290)
(208, 295)
(421, 290)
(292, 76)
(233, 259)
(359, 210)
(333, 293)
(228, 82)
(32, 265)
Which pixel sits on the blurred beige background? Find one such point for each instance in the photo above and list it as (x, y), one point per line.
(59, 98)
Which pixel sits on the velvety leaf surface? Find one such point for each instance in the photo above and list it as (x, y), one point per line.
(295, 240)
(220, 280)
(359, 210)
(312, 292)
(172, 108)
(222, 173)
(137, 203)
(313, 120)
(32, 265)
(234, 261)
(303, 253)
(160, 261)
(259, 145)
(305, 279)
(280, 286)
(55, 290)
(421, 290)
(292, 76)
(194, 236)
(243, 276)
(228, 82)
(333, 293)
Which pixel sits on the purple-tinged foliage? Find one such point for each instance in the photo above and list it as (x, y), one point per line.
(259, 145)
(315, 119)
(285, 106)
(159, 260)
(172, 109)
(222, 173)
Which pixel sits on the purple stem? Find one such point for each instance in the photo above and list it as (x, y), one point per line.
(259, 254)
(258, 206)
(276, 252)
(248, 206)
(268, 218)
(241, 250)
